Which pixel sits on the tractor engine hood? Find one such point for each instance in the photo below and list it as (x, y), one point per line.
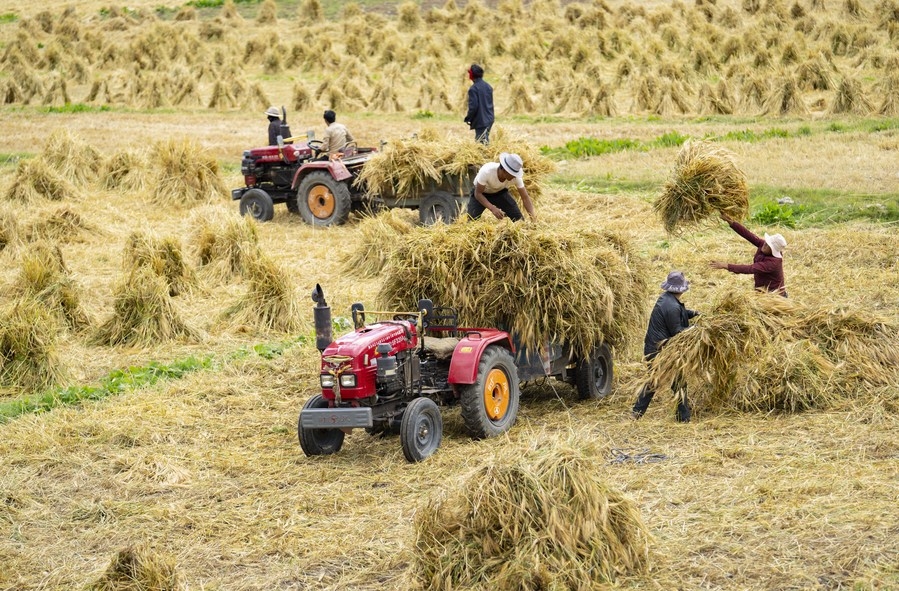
(272, 154)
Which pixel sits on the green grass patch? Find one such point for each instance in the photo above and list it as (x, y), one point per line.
(134, 377)
(13, 158)
(76, 108)
(8, 17)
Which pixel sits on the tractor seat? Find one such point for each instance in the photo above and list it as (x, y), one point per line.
(442, 348)
(350, 149)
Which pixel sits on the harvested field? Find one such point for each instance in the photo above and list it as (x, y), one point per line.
(170, 458)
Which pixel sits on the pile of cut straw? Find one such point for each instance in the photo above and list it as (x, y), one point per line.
(543, 284)
(764, 352)
(705, 182)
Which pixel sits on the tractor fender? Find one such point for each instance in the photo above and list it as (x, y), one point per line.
(337, 168)
(467, 354)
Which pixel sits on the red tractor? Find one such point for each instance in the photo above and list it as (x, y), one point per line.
(395, 374)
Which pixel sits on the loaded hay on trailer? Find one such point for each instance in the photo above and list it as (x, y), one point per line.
(705, 182)
(543, 284)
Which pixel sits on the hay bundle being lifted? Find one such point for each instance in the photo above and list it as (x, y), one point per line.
(377, 237)
(183, 174)
(542, 520)
(163, 256)
(705, 181)
(763, 352)
(144, 313)
(28, 338)
(543, 284)
(139, 568)
(45, 278)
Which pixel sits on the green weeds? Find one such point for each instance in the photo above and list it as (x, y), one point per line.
(75, 108)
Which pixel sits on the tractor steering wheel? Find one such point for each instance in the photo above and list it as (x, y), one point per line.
(315, 146)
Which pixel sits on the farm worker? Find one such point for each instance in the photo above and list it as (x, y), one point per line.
(480, 105)
(767, 265)
(669, 317)
(274, 125)
(491, 189)
(337, 136)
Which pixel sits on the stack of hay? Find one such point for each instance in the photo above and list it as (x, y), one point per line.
(406, 167)
(28, 338)
(705, 182)
(765, 352)
(139, 567)
(542, 284)
(378, 235)
(541, 520)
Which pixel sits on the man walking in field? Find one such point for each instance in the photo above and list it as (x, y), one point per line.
(669, 317)
(767, 264)
(491, 190)
(480, 105)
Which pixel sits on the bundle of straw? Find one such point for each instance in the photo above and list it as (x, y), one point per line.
(705, 181)
(765, 352)
(542, 284)
(62, 225)
(225, 243)
(377, 236)
(271, 301)
(71, 157)
(139, 568)
(163, 256)
(126, 171)
(45, 279)
(9, 229)
(28, 338)
(35, 179)
(541, 520)
(183, 173)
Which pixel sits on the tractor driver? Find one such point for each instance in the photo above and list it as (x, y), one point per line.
(274, 125)
(491, 189)
(337, 136)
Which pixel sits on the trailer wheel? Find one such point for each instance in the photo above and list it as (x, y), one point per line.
(258, 204)
(594, 374)
(421, 430)
(438, 206)
(323, 201)
(490, 405)
(319, 442)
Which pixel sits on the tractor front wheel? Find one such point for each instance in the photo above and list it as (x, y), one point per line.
(421, 430)
(318, 442)
(490, 405)
(258, 204)
(594, 374)
(323, 201)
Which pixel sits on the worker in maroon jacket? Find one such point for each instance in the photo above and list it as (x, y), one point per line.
(767, 265)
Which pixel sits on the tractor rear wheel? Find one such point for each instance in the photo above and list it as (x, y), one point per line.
(421, 430)
(594, 374)
(322, 200)
(319, 442)
(438, 206)
(258, 204)
(490, 405)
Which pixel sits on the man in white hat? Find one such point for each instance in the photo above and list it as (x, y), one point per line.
(274, 125)
(767, 264)
(669, 317)
(491, 189)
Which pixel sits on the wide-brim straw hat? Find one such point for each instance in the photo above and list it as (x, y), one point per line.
(273, 112)
(777, 243)
(512, 164)
(676, 283)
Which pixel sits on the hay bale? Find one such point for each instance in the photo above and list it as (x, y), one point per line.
(183, 173)
(889, 85)
(851, 98)
(144, 313)
(45, 278)
(163, 256)
(74, 159)
(565, 527)
(765, 352)
(139, 568)
(35, 179)
(268, 13)
(376, 237)
(126, 171)
(542, 284)
(705, 181)
(9, 229)
(225, 243)
(28, 338)
(63, 225)
(271, 301)
(785, 99)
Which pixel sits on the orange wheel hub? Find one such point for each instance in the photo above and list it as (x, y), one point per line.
(321, 202)
(496, 394)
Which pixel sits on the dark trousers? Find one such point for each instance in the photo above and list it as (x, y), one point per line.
(502, 200)
(680, 389)
(482, 134)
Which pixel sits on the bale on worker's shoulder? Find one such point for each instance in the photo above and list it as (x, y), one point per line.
(538, 520)
(705, 182)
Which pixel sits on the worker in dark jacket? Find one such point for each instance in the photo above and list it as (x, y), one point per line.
(767, 264)
(480, 105)
(669, 317)
(274, 125)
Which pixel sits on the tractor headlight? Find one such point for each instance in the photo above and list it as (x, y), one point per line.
(348, 380)
(327, 380)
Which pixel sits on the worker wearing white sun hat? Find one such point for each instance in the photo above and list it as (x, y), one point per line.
(767, 264)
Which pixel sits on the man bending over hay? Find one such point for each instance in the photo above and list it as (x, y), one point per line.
(491, 190)
(669, 317)
(767, 264)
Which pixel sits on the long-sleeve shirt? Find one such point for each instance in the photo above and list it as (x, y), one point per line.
(336, 138)
(669, 317)
(766, 269)
(480, 105)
